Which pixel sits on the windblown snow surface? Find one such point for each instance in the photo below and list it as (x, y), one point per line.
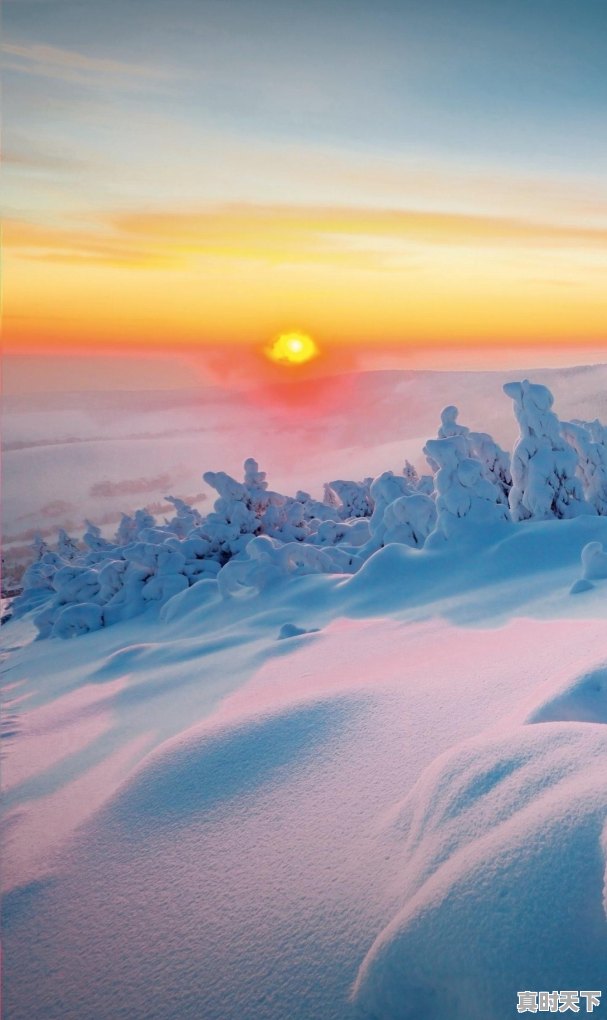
(378, 795)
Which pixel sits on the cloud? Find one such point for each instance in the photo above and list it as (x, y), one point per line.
(71, 66)
(284, 234)
(130, 486)
(56, 244)
(56, 508)
(242, 228)
(44, 532)
(23, 153)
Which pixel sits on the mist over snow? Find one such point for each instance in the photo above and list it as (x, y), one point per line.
(305, 699)
(71, 456)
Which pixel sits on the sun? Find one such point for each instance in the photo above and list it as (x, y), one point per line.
(292, 349)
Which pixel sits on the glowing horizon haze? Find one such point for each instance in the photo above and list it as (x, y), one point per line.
(390, 177)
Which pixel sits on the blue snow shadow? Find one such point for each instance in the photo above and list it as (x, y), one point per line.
(214, 768)
(23, 901)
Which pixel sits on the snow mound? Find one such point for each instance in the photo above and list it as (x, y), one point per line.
(594, 561)
(207, 767)
(583, 701)
(502, 869)
(594, 567)
(290, 630)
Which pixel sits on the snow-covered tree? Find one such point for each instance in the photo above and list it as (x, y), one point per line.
(239, 512)
(544, 467)
(592, 459)
(11, 578)
(268, 561)
(409, 520)
(254, 537)
(67, 549)
(411, 475)
(39, 546)
(37, 579)
(463, 490)
(186, 517)
(480, 446)
(353, 498)
(449, 425)
(94, 540)
(126, 531)
(495, 461)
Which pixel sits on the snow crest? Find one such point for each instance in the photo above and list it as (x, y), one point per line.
(502, 868)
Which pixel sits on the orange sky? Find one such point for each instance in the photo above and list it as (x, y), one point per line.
(239, 274)
(217, 184)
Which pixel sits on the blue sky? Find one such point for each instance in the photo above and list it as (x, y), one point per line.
(520, 82)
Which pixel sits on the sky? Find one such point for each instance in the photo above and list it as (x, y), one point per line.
(184, 177)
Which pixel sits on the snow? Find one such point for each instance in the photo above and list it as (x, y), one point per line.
(545, 468)
(354, 769)
(594, 561)
(503, 851)
(68, 456)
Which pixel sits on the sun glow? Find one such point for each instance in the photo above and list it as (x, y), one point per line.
(292, 349)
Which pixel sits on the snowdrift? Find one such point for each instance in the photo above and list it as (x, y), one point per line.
(339, 757)
(503, 869)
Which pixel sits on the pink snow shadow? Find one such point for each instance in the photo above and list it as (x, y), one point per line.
(51, 735)
(57, 730)
(439, 658)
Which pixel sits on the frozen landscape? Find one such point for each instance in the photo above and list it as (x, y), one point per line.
(304, 509)
(328, 743)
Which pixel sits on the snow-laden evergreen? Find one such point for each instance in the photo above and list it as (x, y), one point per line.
(254, 537)
(589, 440)
(353, 498)
(67, 549)
(545, 468)
(463, 490)
(480, 446)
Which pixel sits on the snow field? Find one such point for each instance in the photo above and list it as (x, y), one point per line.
(295, 790)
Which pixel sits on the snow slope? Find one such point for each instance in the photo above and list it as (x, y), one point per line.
(377, 795)
(206, 818)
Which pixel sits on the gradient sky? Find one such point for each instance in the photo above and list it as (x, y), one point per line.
(182, 173)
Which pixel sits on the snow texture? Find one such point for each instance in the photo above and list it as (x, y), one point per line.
(504, 841)
(337, 757)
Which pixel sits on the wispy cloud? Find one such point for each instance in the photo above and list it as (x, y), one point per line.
(95, 246)
(249, 225)
(284, 234)
(56, 508)
(131, 486)
(22, 155)
(78, 68)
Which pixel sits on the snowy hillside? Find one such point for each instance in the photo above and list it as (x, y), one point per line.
(332, 755)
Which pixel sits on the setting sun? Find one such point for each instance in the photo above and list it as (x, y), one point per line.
(292, 349)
